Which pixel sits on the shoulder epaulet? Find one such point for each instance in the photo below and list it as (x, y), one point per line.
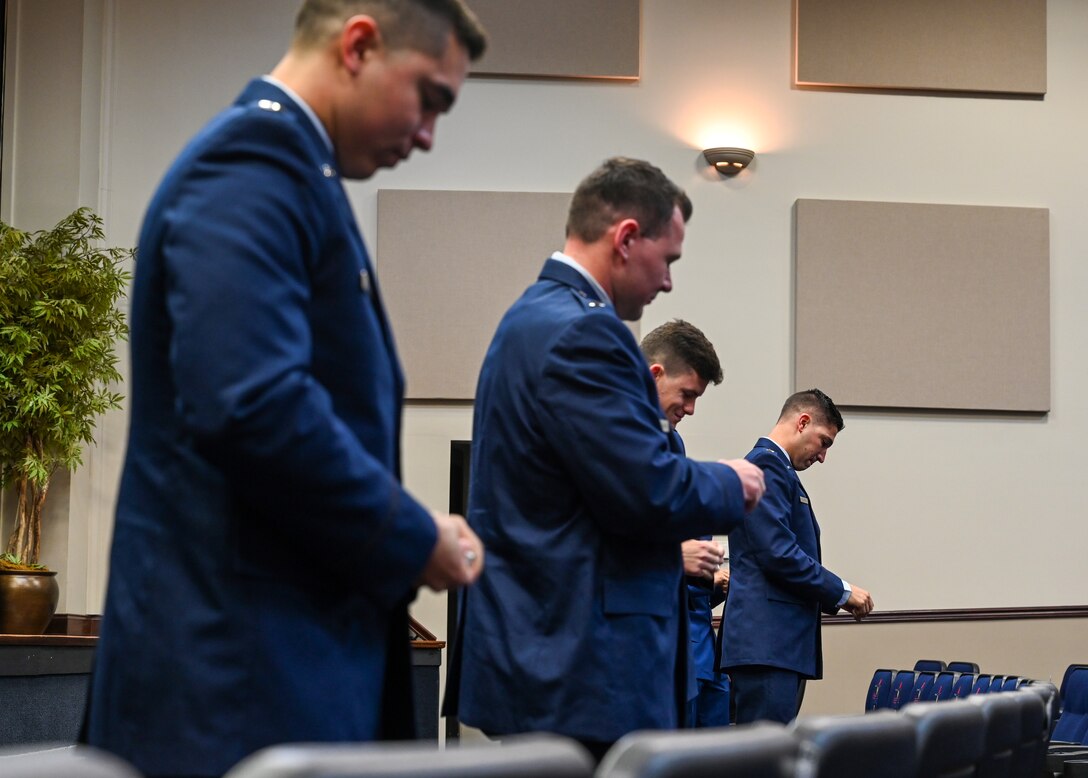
(589, 303)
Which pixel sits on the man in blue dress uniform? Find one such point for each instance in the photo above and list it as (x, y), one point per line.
(683, 363)
(771, 629)
(579, 491)
(264, 550)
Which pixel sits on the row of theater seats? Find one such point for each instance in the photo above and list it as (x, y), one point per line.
(985, 736)
(1014, 734)
(933, 681)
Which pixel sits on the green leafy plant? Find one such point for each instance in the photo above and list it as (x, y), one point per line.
(59, 324)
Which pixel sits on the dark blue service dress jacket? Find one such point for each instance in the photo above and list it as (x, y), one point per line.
(264, 548)
(577, 625)
(777, 585)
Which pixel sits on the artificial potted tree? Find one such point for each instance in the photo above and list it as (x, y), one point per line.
(59, 325)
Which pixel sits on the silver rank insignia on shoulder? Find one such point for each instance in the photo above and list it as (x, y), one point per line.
(665, 426)
(364, 282)
(327, 171)
(804, 500)
(595, 304)
(269, 105)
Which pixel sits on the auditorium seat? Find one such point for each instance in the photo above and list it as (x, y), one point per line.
(934, 665)
(1001, 715)
(964, 667)
(878, 744)
(982, 684)
(1048, 693)
(902, 687)
(950, 737)
(996, 683)
(880, 690)
(762, 750)
(1072, 726)
(63, 761)
(923, 687)
(528, 756)
(1010, 684)
(943, 685)
(965, 682)
(1030, 755)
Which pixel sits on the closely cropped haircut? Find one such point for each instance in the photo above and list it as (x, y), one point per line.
(678, 347)
(625, 188)
(420, 25)
(816, 404)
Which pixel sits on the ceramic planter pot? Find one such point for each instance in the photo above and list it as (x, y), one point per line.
(28, 600)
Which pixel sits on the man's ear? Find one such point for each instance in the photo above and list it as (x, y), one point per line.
(359, 38)
(657, 370)
(803, 421)
(625, 232)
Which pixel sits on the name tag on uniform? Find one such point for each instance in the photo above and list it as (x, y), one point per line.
(804, 500)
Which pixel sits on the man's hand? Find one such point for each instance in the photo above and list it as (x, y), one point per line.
(702, 558)
(751, 480)
(721, 580)
(458, 555)
(859, 604)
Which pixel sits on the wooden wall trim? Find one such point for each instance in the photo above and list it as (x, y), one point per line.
(964, 614)
(957, 614)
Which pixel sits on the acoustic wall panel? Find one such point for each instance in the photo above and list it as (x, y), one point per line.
(560, 38)
(450, 264)
(958, 45)
(905, 305)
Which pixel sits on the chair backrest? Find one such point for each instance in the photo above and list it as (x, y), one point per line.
(62, 761)
(935, 665)
(902, 686)
(923, 686)
(1010, 684)
(880, 690)
(1001, 715)
(996, 683)
(982, 684)
(1030, 757)
(881, 743)
(943, 685)
(1072, 725)
(763, 750)
(1048, 693)
(950, 737)
(965, 682)
(964, 667)
(529, 756)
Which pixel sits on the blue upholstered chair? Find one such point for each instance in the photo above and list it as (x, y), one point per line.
(902, 687)
(1001, 714)
(880, 690)
(923, 687)
(529, 756)
(763, 750)
(1072, 726)
(879, 744)
(965, 683)
(964, 667)
(950, 737)
(982, 684)
(934, 665)
(943, 685)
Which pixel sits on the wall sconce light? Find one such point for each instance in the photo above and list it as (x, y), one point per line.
(729, 161)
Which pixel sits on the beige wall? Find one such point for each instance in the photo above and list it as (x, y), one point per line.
(925, 510)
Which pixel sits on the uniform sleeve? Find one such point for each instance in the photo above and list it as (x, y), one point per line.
(597, 411)
(237, 247)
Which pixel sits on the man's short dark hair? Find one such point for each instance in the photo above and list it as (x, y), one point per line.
(678, 347)
(625, 188)
(421, 25)
(816, 404)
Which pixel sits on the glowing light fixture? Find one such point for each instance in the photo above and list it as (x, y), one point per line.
(729, 161)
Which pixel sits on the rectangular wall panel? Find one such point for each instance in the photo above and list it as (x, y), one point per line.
(959, 45)
(560, 38)
(450, 264)
(905, 305)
